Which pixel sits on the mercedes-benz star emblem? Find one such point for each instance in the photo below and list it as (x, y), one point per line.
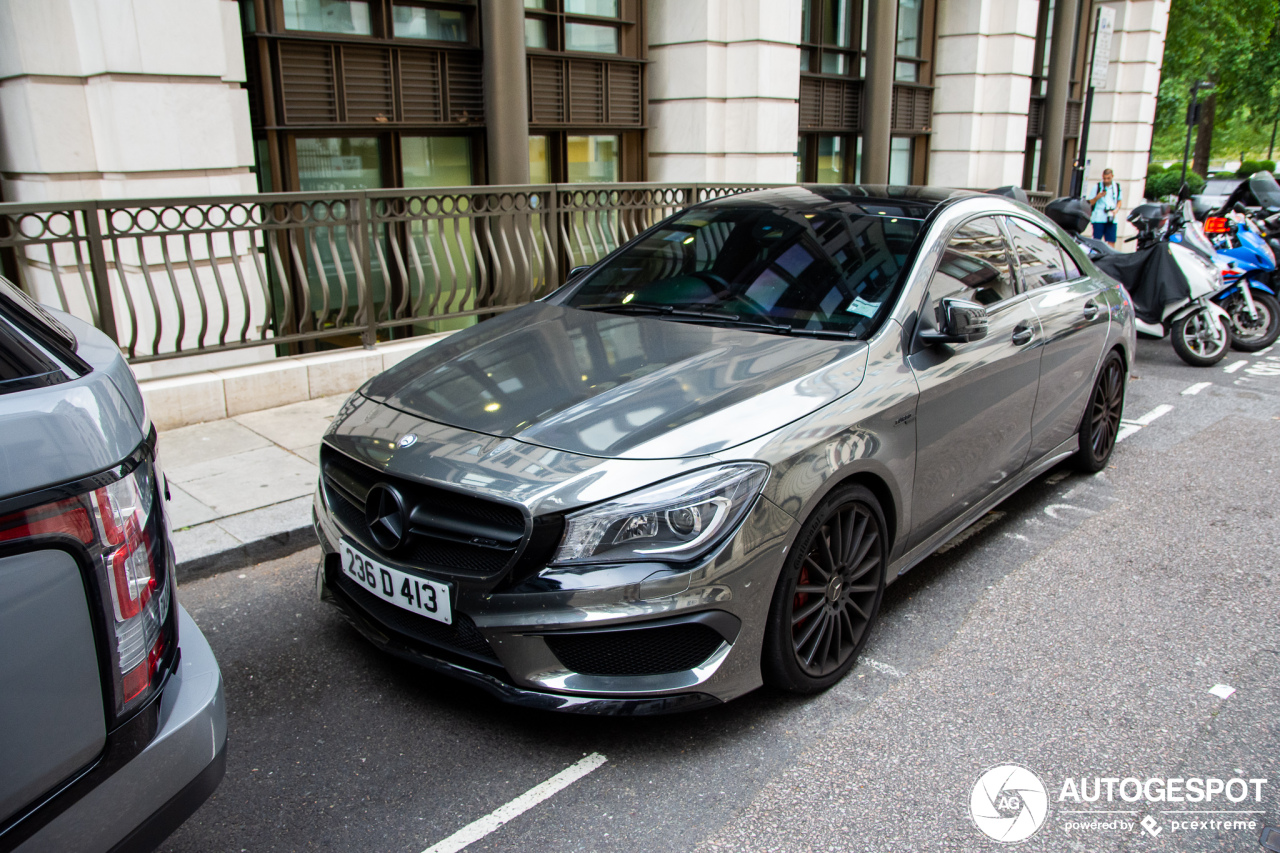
(406, 440)
(385, 514)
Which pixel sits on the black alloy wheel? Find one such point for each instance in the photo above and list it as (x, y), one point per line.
(828, 594)
(1101, 422)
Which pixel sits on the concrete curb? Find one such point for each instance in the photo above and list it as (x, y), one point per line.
(239, 541)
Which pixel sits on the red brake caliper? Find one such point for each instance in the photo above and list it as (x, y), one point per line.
(801, 598)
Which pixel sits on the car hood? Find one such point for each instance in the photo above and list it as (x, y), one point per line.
(617, 386)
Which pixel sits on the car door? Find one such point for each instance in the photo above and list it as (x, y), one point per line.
(973, 419)
(1073, 318)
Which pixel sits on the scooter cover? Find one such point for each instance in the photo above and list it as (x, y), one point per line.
(1152, 276)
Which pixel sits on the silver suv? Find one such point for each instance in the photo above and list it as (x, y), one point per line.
(112, 722)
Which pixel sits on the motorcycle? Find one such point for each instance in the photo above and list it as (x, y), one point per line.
(1248, 267)
(1171, 283)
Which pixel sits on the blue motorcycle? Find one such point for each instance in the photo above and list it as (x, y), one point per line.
(1248, 267)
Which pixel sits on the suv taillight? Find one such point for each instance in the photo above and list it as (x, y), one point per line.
(120, 527)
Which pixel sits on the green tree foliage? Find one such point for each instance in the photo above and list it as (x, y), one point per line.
(1235, 44)
(1163, 184)
(1248, 167)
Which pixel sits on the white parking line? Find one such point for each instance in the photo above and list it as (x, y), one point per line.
(1263, 352)
(1158, 412)
(884, 667)
(473, 832)
(1195, 389)
(1234, 366)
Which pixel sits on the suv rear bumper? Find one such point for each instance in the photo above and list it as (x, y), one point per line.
(136, 807)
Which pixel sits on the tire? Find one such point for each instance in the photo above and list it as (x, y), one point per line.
(1195, 343)
(845, 540)
(1101, 421)
(1248, 334)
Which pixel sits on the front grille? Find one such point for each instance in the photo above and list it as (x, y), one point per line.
(462, 637)
(460, 534)
(640, 651)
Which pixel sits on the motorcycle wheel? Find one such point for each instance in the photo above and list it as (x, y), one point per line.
(1247, 333)
(1201, 338)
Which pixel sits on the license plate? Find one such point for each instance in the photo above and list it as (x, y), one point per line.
(415, 594)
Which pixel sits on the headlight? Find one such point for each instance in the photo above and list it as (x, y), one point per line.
(676, 520)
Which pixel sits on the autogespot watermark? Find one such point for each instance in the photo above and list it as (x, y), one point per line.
(1010, 803)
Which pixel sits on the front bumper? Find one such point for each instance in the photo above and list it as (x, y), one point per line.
(509, 641)
(137, 806)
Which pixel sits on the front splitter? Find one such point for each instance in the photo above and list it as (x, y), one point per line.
(389, 642)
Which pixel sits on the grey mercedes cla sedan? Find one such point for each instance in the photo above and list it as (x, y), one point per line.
(694, 468)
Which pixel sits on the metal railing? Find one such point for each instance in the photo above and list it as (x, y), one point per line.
(175, 277)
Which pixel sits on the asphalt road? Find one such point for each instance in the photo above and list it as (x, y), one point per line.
(1076, 632)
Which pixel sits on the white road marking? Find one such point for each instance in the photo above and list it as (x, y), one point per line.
(1195, 389)
(1222, 691)
(1260, 353)
(473, 832)
(1158, 412)
(1052, 509)
(1125, 431)
(1234, 366)
(1018, 536)
(884, 667)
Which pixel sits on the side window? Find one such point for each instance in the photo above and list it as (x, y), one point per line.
(976, 265)
(1039, 255)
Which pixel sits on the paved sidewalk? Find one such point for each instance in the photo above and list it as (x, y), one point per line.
(240, 488)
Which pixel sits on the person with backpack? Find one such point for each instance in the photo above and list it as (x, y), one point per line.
(1105, 200)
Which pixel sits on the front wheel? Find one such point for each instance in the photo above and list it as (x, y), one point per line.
(1250, 334)
(1201, 338)
(828, 593)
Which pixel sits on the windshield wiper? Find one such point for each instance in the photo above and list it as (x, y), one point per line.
(719, 317)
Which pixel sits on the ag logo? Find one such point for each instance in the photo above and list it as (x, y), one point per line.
(1009, 803)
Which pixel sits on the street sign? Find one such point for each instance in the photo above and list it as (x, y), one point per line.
(1102, 46)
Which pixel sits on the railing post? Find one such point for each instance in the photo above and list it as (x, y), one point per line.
(98, 268)
(364, 224)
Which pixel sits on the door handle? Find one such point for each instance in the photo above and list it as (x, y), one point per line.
(1090, 310)
(1023, 334)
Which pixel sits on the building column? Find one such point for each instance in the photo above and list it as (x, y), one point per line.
(1124, 110)
(877, 93)
(982, 83)
(506, 91)
(724, 88)
(1058, 91)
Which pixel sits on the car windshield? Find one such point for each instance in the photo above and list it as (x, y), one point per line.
(784, 271)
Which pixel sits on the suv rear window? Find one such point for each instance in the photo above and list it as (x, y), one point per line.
(35, 349)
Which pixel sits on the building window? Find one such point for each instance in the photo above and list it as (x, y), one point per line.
(334, 164)
(832, 37)
(586, 90)
(592, 159)
(580, 26)
(909, 55)
(424, 22)
(346, 17)
(435, 161)
(901, 157)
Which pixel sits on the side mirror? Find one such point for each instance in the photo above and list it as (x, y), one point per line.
(959, 322)
(577, 271)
